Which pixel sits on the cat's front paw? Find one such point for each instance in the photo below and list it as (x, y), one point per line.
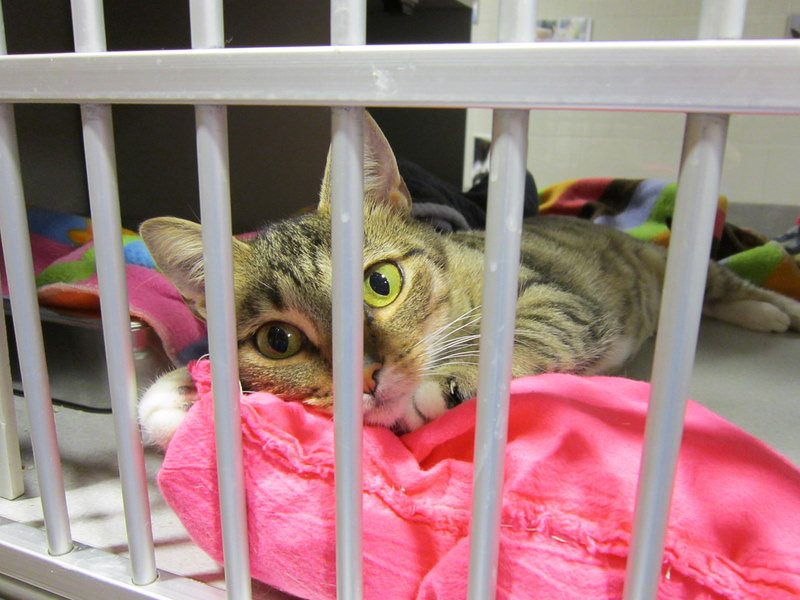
(163, 406)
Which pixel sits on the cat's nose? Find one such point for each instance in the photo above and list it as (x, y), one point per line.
(371, 376)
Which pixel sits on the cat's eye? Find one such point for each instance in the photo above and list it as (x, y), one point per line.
(382, 284)
(279, 340)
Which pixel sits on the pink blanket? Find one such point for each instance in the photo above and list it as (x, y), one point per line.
(571, 465)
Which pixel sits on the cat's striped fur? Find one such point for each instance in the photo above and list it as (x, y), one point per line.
(588, 297)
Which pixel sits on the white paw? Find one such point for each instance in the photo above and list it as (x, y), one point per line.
(163, 406)
(751, 314)
(793, 310)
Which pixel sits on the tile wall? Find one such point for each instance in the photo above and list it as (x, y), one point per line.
(762, 163)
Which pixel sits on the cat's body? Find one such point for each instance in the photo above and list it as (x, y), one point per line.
(588, 297)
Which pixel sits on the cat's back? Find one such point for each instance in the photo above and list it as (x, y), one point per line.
(563, 247)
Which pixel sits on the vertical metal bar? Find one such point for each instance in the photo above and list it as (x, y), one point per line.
(722, 19)
(348, 27)
(11, 482)
(215, 211)
(517, 23)
(98, 140)
(695, 209)
(681, 307)
(347, 220)
(27, 325)
(501, 271)
(30, 346)
(348, 22)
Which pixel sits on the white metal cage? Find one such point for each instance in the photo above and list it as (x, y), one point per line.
(707, 79)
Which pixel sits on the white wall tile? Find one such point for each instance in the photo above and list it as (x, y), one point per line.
(763, 156)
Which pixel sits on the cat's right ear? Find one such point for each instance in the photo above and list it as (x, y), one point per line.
(176, 246)
(383, 185)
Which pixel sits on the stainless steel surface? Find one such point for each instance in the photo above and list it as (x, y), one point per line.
(736, 76)
(73, 344)
(85, 573)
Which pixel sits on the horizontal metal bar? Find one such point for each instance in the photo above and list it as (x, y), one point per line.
(729, 76)
(11, 589)
(85, 572)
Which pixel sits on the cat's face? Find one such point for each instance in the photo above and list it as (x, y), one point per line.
(283, 300)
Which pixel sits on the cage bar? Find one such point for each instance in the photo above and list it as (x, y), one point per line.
(98, 141)
(679, 322)
(30, 346)
(733, 76)
(507, 169)
(348, 27)
(215, 211)
(498, 312)
(11, 482)
(31, 572)
(681, 306)
(347, 242)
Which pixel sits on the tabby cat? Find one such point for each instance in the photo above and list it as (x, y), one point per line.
(588, 297)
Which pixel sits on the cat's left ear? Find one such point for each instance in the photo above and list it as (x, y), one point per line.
(382, 182)
(176, 246)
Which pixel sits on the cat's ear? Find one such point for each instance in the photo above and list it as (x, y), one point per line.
(176, 246)
(382, 182)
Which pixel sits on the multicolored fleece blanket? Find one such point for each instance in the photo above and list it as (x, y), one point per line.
(64, 263)
(644, 208)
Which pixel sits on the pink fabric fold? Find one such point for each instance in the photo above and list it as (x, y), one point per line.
(570, 477)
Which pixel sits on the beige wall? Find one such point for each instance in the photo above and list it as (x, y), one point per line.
(762, 162)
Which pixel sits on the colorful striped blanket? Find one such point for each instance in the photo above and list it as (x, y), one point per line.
(644, 208)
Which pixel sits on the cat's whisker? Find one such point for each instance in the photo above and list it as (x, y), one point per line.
(467, 348)
(455, 353)
(461, 317)
(444, 328)
(447, 341)
(433, 369)
(463, 340)
(472, 321)
(439, 361)
(439, 365)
